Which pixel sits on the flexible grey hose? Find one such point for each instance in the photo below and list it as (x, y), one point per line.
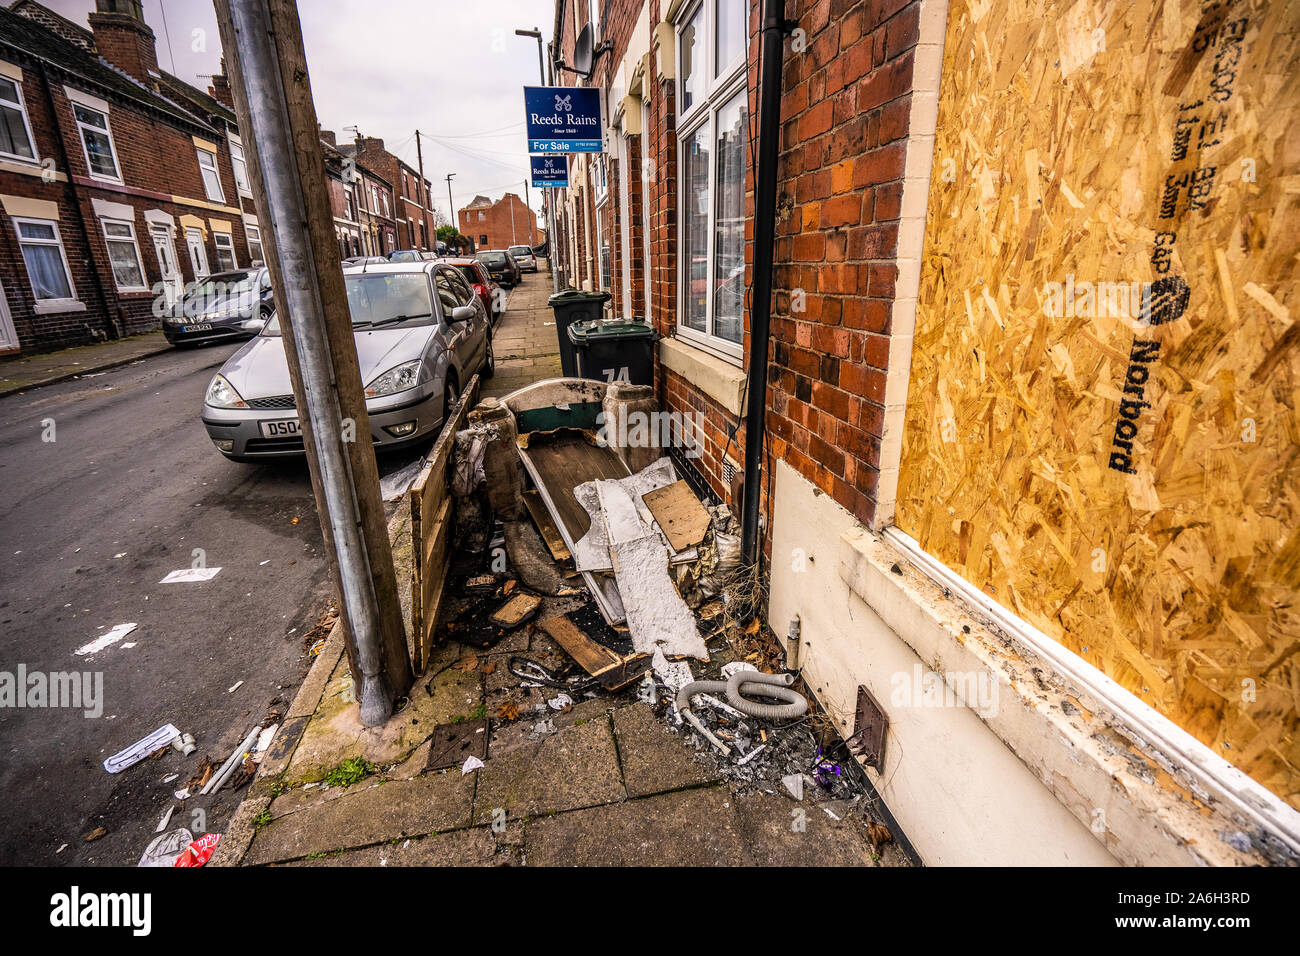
(698, 687)
(768, 685)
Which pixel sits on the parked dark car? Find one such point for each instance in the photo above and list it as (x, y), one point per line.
(485, 287)
(501, 266)
(228, 305)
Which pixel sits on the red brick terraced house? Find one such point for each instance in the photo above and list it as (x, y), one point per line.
(501, 224)
(406, 204)
(1049, 549)
(118, 183)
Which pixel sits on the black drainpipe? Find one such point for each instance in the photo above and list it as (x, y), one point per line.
(774, 30)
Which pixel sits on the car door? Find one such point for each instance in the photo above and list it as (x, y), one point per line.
(481, 325)
(460, 338)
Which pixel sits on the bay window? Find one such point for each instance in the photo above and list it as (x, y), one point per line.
(713, 146)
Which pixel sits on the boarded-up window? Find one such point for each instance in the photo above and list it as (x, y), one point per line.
(1101, 425)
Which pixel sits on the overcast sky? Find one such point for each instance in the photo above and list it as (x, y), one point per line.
(453, 69)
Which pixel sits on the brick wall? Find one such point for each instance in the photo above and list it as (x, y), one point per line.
(844, 108)
(497, 224)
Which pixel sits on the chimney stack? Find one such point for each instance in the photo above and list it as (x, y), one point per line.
(220, 90)
(124, 39)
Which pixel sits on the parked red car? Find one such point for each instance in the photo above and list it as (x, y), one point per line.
(487, 289)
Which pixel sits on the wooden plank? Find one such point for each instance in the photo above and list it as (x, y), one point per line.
(597, 660)
(546, 525)
(434, 576)
(679, 514)
(430, 521)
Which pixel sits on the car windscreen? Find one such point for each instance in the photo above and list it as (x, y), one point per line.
(404, 257)
(492, 258)
(225, 284)
(382, 300)
(520, 251)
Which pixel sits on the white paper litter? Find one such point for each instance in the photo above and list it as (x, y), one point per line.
(164, 850)
(142, 748)
(104, 640)
(190, 575)
(471, 764)
(560, 701)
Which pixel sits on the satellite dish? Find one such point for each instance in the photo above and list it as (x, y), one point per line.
(582, 52)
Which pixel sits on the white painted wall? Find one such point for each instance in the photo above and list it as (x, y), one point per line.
(960, 795)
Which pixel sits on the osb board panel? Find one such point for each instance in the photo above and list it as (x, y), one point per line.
(1121, 468)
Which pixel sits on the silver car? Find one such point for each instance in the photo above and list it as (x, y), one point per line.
(523, 255)
(421, 333)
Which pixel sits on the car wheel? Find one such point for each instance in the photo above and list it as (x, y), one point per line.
(489, 361)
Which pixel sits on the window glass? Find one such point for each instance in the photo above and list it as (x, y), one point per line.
(123, 255)
(43, 255)
(97, 140)
(729, 219)
(14, 139)
(730, 34)
(690, 52)
(446, 295)
(463, 291)
(376, 298)
(254, 235)
(211, 180)
(240, 166)
(225, 251)
(695, 228)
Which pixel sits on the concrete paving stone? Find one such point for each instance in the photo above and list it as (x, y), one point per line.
(574, 767)
(429, 804)
(654, 759)
(686, 828)
(459, 848)
(336, 734)
(778, 835)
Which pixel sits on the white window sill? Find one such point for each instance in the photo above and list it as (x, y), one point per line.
(101, 178)
(1100, 755)
(54, 306)
(718, 378)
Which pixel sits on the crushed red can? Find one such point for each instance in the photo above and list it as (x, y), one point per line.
(200, 851)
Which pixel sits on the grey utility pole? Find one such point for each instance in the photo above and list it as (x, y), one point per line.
(262, 40)
(451, 207)
(547, 197)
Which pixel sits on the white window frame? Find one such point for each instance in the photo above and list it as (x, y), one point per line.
(104, 223)
(21, 106)
(230, 245)
(253, 237)
(106, 131)
(199, 153)
(237, 163)
(717, 87)
(65, 304)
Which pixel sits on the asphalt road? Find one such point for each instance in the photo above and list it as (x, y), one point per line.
(90, 523)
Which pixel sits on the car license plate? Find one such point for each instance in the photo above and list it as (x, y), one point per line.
(203, 327)
(288, 428)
